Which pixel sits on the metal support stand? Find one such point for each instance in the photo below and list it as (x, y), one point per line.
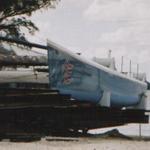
(140, 131)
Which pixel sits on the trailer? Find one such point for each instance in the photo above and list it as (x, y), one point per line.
(45, 112)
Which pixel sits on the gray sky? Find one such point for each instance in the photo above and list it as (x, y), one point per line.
(95, 26)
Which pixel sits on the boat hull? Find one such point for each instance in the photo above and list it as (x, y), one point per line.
(88, 81)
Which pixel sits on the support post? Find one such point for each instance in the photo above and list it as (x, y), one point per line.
(140, 131)
(121, 64)
(137, 70)
(130, 69)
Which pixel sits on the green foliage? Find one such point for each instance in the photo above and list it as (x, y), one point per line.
(11, 19)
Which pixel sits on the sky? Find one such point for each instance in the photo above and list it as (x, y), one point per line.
(93, 27)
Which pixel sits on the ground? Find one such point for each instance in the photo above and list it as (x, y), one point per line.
(78, 144)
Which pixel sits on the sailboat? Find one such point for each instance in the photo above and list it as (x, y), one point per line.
(87, 80)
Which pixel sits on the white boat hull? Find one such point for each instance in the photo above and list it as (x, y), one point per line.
(85, 80)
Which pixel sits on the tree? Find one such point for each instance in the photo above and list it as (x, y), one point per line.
(13, 16)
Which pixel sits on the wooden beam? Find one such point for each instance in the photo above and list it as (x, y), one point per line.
(26, 43)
